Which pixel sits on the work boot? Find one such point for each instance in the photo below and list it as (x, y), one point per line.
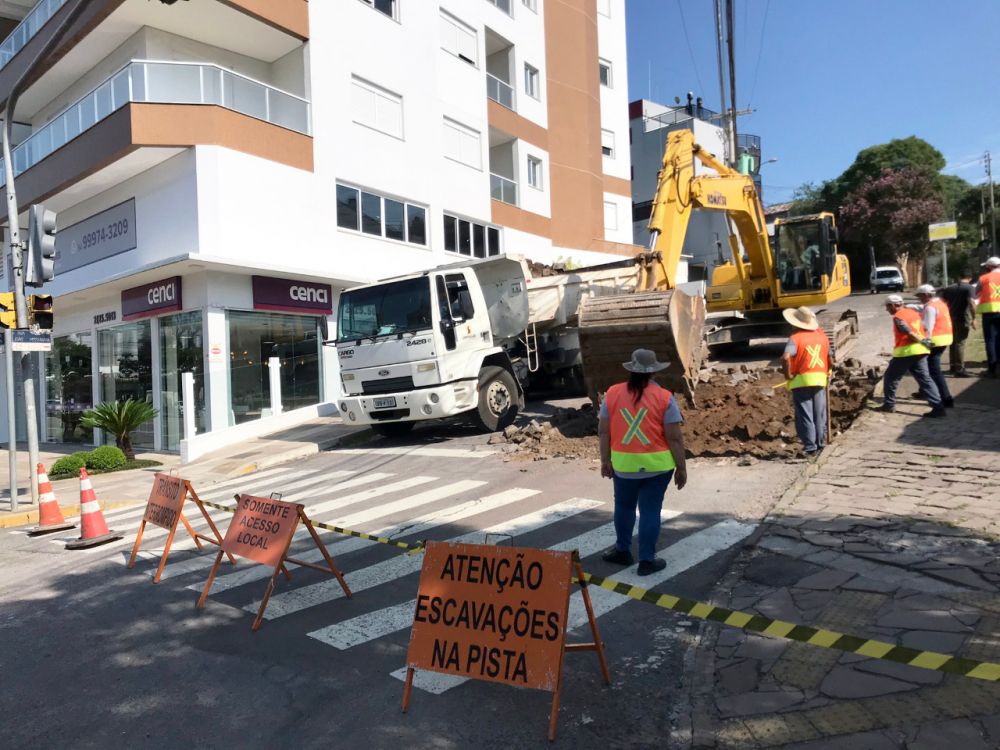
(948, 403)
(886, 408)
(648, 567)
(961, 374)
(618, 556)
(937, 412)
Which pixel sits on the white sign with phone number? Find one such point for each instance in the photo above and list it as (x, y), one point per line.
(103, 235)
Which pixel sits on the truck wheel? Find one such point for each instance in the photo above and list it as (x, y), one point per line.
(392, 429)
(497, 399)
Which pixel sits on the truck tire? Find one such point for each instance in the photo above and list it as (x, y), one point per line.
(498, 399)
(392, 429)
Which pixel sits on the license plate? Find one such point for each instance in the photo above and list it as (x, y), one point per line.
(385, 403)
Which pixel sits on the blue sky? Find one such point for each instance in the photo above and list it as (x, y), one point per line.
(834, 76)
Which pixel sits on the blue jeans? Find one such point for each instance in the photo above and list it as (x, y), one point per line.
(916, 365)
(647, 493)
(810, 416)
(934, 368)
(991, 337)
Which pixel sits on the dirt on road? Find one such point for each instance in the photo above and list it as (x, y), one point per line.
(739, 412)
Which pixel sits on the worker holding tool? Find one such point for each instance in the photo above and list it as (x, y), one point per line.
(909, 355)
(988, 307)
(642, 448)
(936, 318)
(807, 367)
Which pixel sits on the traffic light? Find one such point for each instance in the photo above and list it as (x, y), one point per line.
(8, 313)
(41, 246)
(40, 312)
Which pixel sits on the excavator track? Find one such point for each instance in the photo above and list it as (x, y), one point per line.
(668, 322)
(842, 329)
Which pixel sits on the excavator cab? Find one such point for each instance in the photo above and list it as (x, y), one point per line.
(807, 267)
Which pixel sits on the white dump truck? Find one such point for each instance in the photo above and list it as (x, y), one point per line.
(463, 338)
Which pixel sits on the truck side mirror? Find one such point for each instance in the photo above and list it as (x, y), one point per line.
(465, 302)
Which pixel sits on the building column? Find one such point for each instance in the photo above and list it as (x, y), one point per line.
(216, 335)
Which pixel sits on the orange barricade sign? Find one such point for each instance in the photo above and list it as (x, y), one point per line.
(163, 509)
(261, 530)
(497, 614)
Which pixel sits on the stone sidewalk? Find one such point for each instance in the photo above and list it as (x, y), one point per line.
(892, 534)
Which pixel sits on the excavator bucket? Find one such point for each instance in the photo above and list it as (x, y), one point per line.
(667, 322)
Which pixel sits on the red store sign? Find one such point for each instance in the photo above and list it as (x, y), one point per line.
(152, 299)
(290, 295)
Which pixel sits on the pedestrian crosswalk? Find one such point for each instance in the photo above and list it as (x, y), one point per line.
(404, 506)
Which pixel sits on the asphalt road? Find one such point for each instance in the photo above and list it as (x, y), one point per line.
(94, 655)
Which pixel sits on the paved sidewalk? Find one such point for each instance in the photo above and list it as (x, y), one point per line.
(892, 534)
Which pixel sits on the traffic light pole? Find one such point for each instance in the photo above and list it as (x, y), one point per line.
(8, 355)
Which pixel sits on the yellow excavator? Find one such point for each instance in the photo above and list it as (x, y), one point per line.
(753, 286)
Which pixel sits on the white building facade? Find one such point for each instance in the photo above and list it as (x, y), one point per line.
(221, 169)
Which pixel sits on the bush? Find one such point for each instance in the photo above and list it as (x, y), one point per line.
(69, 465)
(105, 458)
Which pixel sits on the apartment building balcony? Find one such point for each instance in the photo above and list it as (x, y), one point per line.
(500, 69)
(148, 111)
(503, 167)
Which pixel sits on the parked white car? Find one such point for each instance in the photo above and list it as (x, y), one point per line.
(886, 279)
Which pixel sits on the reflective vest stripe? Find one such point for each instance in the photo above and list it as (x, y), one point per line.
(905, 346)
(989, 293)
(808, 379)
(637, 462)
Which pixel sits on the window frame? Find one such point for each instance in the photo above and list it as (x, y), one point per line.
(462, 129)
(531, 5)
(357, 82)
(602, 65)
(395, 9)
(614, 206)
(612, 148)
(534, 168)
(461, 26)
(487, 230)
(531, 74)
(359, 229)
(606, 4)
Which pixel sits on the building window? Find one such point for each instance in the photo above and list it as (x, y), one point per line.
(462, 144)
(125, 368)
(610, 216)
(608, 144)
(470, 238)
(531, 81)
(388, 7)
(531, 5)
(69, 388)
(503, 5)
(604, 8)
(535, 172)
(378, 215)
(459, 39)
(376, 107)
(605, 69)
(181, 351)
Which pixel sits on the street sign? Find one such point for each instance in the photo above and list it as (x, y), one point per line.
(28, 341)
(946, 230)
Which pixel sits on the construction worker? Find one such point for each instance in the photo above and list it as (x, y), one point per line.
(936, 318)
(807, 367)
(909, 355)
(961, 300)
(988, 306)
(642, 448)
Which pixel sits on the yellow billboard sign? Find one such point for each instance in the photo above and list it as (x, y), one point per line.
(946, 230)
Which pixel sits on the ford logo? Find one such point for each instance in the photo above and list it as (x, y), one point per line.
(383, 373)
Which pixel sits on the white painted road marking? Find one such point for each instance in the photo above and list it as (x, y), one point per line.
(416, 451)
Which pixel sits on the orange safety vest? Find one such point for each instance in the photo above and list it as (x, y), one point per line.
(637, 439)
(989, 292)
(811, 362)
(942, 335)
(905, 346)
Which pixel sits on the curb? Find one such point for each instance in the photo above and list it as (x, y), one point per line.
(22, 517)
(292, 454)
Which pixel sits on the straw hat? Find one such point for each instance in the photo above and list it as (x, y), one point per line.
(644, 361)
(801, 317)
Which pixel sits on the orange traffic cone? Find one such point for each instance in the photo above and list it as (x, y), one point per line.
(50, 517)
(93, 529)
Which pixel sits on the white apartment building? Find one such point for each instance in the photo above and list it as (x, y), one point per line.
(221, 169)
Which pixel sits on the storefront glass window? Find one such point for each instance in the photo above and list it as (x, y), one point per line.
(126, 371)
(68, 389)
(180, 352)
(254, 337)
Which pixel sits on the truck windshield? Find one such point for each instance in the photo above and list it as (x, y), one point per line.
(887, 274)
(385, 309)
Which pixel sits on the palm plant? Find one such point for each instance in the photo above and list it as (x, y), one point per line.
(120, 418)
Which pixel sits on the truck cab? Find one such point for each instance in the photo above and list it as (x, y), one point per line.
(433, 345)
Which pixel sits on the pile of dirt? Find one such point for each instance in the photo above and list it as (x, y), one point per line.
(738, 412)
(541, 269)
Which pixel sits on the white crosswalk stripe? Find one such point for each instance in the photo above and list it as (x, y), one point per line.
(692, 550)
(403, 565)
(417, 451)
(410, 527)
(383, 622)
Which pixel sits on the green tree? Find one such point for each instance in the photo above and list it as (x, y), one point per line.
(808, 198)
(901, 153)
(121, 419)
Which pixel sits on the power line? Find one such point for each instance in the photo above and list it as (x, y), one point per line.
(687, 39)
(760, 53)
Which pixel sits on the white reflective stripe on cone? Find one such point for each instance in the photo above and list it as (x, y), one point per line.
(91, 506)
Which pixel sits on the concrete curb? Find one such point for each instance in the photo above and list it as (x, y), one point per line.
(22, 517)
(293, 454)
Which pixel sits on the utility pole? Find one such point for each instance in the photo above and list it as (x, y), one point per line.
(993, 210)
(730, 23)
(722, 73)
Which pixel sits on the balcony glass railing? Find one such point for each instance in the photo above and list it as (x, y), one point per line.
(503, 189)
(162, 83)
(31, 25)
(500, 92)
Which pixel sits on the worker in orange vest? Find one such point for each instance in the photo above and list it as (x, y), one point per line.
(909, 355)
(642, 448)
(988, 306)
(936, 318)
(807, 367)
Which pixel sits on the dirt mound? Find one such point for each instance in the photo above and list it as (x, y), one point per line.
(739, 412)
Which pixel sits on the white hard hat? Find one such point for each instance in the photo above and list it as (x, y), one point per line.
(893, 299)
(926, 289)
(992, 262)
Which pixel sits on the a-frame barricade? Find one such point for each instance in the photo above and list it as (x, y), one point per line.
(165, 509)
(262, 530)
